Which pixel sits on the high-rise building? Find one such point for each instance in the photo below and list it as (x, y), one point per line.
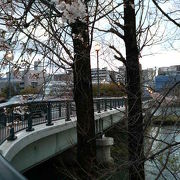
(148, 76)
(171, 70)
(167, 77)
(105, 75)
(163, 82)
(122, 74)
(60, 85)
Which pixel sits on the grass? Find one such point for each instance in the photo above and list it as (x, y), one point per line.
(166, 120)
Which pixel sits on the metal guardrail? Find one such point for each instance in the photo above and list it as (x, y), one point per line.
(17, 117)
(7, 172)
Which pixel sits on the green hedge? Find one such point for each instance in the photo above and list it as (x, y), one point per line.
(108, 90)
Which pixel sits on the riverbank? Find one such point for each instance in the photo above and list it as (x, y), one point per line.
(65, 167)
(168, 120)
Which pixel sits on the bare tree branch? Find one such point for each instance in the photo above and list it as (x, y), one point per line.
(165, 14)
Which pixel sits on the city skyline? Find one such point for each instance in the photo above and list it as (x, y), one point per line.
(163, 59)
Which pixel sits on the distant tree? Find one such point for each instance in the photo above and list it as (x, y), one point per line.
(3, 94)
(108, 90)
(13, 88)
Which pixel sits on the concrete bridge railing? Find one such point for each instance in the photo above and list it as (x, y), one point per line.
(56, 134)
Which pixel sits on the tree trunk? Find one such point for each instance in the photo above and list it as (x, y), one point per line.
(86, 145)
(135, 118)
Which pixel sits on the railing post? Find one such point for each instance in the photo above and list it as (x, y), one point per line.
(105, 104)
(68, 111)
(70, 108)
(49, 115)
(126, 108)
(115, 103)
(59, 109)
(118, 103)
(12, 135)
(98, 106)
(96, 126)
(123, 102)
(110, 104)
(29, 128)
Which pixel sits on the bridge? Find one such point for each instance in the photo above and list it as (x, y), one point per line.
(33, 132)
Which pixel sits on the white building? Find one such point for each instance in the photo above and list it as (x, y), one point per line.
(171, 70)
(33, 78)
(122, 74)
(60, 85)
(104, 75)
(148, 75)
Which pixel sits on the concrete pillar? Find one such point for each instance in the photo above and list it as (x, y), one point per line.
(103, 153)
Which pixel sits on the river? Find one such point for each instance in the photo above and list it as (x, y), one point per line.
(164, 136)
(167, 164)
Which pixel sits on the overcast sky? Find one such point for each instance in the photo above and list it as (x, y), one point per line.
(161, 59)
(164, 51)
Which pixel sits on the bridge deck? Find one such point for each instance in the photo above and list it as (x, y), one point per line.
(46, 139)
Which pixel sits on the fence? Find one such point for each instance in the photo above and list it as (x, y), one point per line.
(17, 117)
(9, 172)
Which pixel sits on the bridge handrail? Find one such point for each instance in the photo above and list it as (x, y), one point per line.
(53, 100)
(9, 172)
(13, 118)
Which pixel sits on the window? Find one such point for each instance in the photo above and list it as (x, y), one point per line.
(34, 84)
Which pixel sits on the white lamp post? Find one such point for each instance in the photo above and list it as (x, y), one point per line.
(97, 48)
(9, 57)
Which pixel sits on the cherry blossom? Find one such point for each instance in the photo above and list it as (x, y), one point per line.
(71, 12)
